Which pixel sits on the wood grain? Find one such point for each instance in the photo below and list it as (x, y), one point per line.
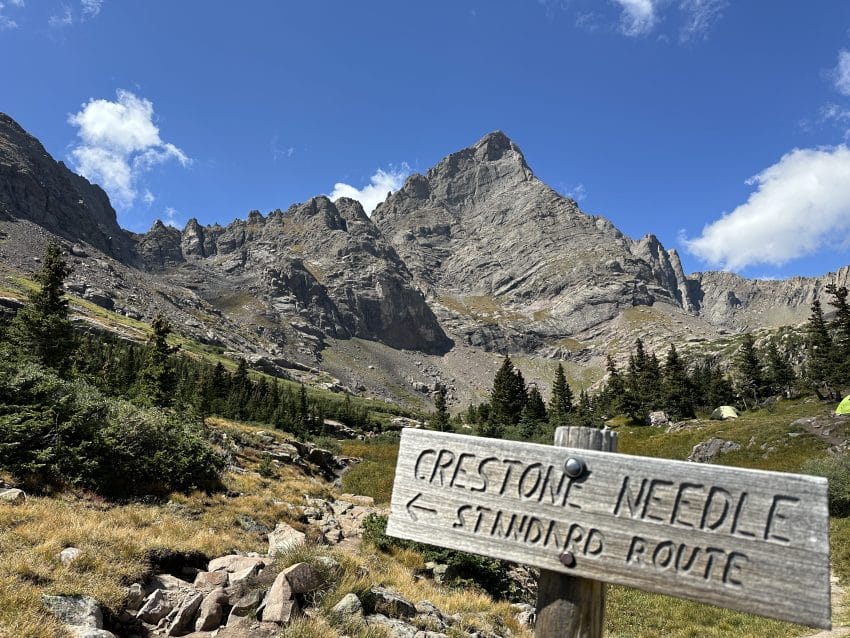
(571, 606)
(743, 539)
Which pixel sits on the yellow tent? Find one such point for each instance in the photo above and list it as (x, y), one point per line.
(844, 406)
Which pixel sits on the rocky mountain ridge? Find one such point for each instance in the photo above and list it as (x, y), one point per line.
(477, 255)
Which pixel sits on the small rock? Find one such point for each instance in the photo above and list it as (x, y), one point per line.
(13, 496)
(245, 606)
(79, 631)
(167, 582)
(244, 574)
(349, 605)
(525, 614)
(395, 628)
(69, 555)
(658, 417)
(283, 538)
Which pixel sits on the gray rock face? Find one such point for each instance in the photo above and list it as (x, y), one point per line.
(36, 187)
(320, 266)
(493, 245)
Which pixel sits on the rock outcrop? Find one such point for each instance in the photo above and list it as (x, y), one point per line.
(35, 187)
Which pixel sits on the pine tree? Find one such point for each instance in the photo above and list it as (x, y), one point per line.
(533, 418)
(508, 396)
(615, 388)
(841, 328)
(820, 364)
(750, 383)
(154, 386)
(676, 388)
(41, 328)
(779, 372)
(561, 401)
(440, 419)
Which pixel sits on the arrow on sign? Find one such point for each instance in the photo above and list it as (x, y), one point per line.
(410, 507)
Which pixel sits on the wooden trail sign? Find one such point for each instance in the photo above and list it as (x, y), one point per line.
(743, 539)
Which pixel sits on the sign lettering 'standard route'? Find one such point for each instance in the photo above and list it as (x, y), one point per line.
(743, 539)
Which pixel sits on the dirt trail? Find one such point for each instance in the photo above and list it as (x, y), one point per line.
(839, 603)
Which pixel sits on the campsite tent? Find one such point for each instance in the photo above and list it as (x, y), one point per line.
(724, 412)
(844, 406)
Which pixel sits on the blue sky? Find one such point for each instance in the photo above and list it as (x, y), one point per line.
(661, 115)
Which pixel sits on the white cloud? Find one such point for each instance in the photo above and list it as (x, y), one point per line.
(577, 192)
(63, 20)
(91, 7)
(381, 183)
(700, 15)
(172, 217)
(119, 142)
(801, 205)
(638, 17)
(841, 73)
(148, 198)
(16, 3)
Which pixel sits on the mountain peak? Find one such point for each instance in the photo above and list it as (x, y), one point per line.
(497, 146)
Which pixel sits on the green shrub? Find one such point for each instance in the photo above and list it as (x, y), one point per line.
(55, 432)
(837, 470)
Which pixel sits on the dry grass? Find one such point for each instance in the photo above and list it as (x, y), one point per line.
(115, 538)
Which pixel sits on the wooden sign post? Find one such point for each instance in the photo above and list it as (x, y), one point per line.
(743, 539)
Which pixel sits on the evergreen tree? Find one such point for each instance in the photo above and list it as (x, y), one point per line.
(561, 401)
(154, 386)
(508, 396)
(440, 419)
(779, 372)
(841, 329)
(676, 388)
(615, 388)
(41, 328)
(820, 364)
(750, 381)
(533, 418)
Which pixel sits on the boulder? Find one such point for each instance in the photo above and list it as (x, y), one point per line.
(303, 578)
(80, 631)
(13, 496)
(525, 615)
(75, 610)
(246, 606)
(349, 605)
(392, 626)
(658, 417)
(211, 580)
(155, 608)
(283, 538)
(278, 604)
(707, 451)
(185, 615)
(381, 600)
(211, 611)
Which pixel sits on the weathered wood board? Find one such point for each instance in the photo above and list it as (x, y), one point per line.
(743, 539)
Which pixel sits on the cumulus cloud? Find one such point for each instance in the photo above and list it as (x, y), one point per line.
(841, 73)
(119, 143)
(699, 15)
(638, 16)
(801, 204)
(375, 192)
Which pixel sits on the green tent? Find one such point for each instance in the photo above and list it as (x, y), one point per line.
(724, 412)
(844, 406)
